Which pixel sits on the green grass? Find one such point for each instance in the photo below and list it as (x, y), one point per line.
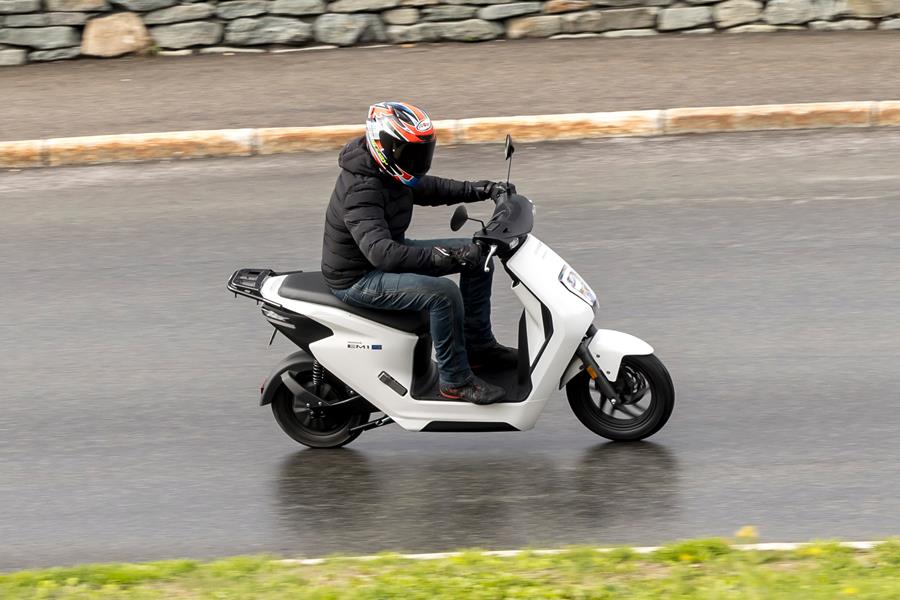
(699, 569)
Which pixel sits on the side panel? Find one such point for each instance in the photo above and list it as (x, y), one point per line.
(358, 351)
(351, 355)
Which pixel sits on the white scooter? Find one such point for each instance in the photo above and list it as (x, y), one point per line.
(361, 368)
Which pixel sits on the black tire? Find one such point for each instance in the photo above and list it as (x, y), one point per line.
(628, 421)
(329, 430)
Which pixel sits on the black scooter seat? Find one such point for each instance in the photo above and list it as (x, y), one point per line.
(310, 287)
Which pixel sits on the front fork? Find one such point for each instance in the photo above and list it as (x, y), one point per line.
(592, 368)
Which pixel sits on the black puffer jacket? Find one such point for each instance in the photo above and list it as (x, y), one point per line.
(368, 216)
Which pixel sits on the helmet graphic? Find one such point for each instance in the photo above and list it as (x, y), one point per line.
(401, 140)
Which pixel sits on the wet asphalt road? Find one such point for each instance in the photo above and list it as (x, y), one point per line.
(763, 267)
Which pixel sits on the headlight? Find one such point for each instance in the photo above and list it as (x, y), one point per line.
(576, 285)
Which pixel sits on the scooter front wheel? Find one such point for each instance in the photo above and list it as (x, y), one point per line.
(646, 400)
(312, 427)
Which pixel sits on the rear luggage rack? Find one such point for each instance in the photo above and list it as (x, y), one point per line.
(248, 282)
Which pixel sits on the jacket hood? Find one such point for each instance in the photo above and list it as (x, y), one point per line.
(355, 157)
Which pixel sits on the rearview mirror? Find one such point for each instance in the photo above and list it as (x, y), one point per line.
(510, 149)
(459, 218)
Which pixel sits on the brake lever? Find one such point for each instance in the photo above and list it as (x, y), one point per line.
(487, 261)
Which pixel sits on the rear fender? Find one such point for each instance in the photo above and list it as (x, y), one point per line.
(298, 361)
(608, 347)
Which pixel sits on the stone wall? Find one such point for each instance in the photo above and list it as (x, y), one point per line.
(45, 30)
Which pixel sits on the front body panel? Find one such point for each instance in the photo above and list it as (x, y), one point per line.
(537, 268)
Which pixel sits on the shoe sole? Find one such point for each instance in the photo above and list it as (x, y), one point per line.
(449, 397)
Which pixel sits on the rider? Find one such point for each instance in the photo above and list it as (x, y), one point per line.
(368, 261)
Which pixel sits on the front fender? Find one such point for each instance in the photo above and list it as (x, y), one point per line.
(608, 347)
(298, 361)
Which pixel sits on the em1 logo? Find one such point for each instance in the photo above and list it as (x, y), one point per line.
(361, 346)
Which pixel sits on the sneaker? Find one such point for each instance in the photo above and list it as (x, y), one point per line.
(495, 357)
(475, 391)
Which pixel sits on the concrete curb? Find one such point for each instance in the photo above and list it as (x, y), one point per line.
(536, 128)
(763, 547)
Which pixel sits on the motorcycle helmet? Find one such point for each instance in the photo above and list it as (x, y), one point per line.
(401, 139)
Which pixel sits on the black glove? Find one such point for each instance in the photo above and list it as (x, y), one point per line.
(468, 257)
(493, 189)
(442, 261)
(459, 259)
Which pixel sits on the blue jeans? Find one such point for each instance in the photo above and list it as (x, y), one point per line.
(460, 316)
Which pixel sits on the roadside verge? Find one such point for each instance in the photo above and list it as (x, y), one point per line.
(688, 570)
(531, 128)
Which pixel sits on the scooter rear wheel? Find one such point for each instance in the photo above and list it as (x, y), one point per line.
(315, 428)
(646, 394)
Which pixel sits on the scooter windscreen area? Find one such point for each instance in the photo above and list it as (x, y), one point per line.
(513, 218)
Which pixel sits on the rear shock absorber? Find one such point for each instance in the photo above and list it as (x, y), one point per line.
(318, 375)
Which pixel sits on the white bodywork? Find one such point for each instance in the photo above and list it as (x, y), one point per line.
(609, 347)
(360, 350)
